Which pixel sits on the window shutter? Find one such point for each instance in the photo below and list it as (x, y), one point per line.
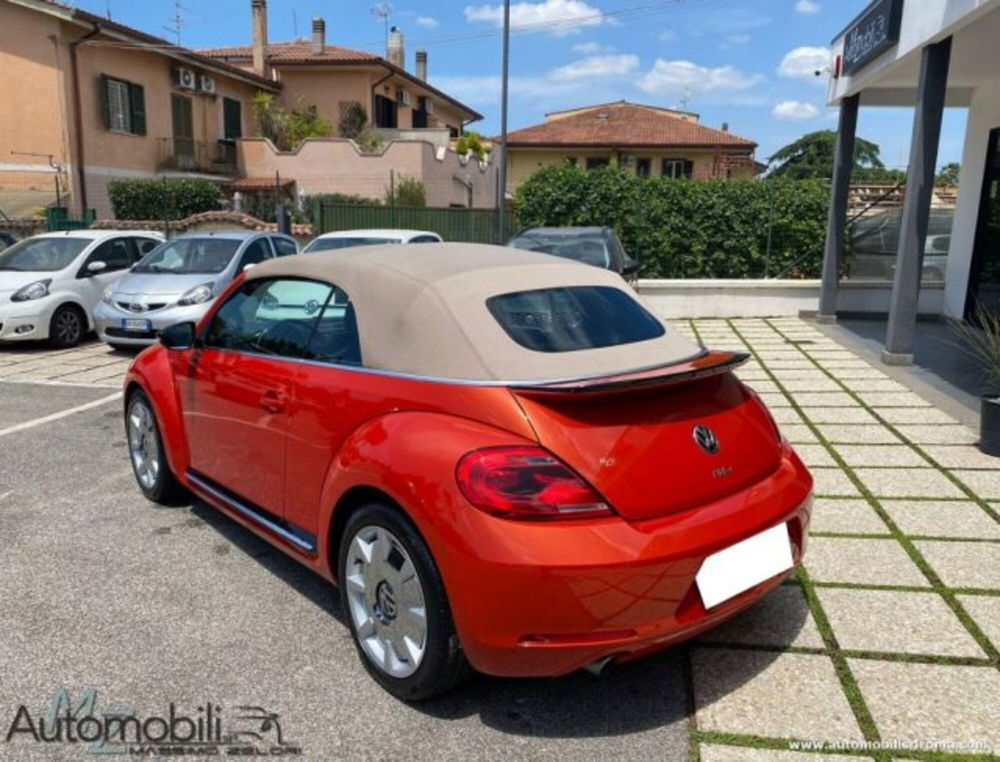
(102, 89)
(137, 102)
(688, 168)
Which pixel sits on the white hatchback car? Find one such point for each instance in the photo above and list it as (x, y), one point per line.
(50, 283)
(343, 239)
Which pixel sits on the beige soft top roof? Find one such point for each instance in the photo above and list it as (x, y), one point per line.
(421, 309)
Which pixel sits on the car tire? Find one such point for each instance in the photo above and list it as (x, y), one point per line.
(379, 597)
(146, 454)
(67, 327)
(128, 348)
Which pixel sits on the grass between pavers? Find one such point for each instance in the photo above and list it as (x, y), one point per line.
(911, 550)
(839, 657)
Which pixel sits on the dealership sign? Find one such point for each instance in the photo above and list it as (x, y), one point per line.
(875, 31)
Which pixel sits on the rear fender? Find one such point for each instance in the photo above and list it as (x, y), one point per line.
(152, 372)
(411, 457)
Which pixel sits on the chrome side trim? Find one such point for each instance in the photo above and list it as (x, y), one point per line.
(251, 514)
(459, 381)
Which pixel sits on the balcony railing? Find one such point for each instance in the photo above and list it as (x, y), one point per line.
(186, 155)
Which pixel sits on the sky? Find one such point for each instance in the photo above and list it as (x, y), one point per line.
(747, 63)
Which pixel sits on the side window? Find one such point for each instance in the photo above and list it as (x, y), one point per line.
(114, 253)
(274, 317)
(336, 337)
(425, 239)
(284, 247)
(254, 254)
(143, 246)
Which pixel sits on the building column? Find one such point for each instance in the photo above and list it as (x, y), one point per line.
(916, 205)
(840, 185)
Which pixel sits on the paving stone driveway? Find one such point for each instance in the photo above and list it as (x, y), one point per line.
(888, 637)
(885, 645)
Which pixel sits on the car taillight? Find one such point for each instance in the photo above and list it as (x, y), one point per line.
(526, 483)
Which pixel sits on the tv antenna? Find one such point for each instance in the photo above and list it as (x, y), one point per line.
(176, 26)
(382, 11)
(685, 99)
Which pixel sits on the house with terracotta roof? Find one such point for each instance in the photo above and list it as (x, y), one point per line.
(96, 100)
(89, 100)
(647, 140)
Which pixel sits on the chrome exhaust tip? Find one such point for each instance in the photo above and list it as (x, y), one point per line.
(597, 668)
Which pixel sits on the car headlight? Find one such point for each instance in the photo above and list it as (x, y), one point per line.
(196, 295)
(35, 290)
(106, 298)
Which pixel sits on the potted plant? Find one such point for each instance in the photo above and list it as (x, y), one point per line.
(980, 338)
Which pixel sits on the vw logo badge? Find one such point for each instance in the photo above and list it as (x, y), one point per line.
(704, 437)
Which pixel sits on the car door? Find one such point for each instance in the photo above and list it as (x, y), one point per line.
(240, 389)
(257, 251)
(116, 254)
(332, 400)
(284, 247)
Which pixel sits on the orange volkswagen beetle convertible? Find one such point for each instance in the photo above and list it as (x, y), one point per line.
(502, 459)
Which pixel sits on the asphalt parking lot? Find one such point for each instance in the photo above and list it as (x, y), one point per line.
(147, 605)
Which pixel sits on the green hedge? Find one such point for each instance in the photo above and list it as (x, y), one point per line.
(168, 199)
(686, 229)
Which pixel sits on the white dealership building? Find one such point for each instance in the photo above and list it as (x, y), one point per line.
(925, 54)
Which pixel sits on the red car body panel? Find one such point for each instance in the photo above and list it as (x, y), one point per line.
(528, 597)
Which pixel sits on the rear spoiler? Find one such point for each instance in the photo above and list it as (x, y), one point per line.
(710, 363)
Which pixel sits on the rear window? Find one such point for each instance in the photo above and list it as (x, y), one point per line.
(565, 319)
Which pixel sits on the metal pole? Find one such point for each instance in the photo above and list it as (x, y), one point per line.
(502, 169)
(840, 187)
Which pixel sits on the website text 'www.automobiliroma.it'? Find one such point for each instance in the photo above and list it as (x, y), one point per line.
(894, 744)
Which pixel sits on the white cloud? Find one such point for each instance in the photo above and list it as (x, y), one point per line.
(804, 62)
(735, 40)
(596, 66)
(592, 48)
(575, 78)
(807, 7)
(428, 22)
(561, 17)
(678, 77)
(795, 110)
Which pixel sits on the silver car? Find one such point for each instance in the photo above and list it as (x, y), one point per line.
(178, 280)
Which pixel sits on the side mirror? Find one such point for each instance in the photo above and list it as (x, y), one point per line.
(97, 266)
(179, 336)
(631, 266)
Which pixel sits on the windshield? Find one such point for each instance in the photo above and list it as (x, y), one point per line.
(583, 247)
(189, 255)
(326, 244)
(42, 254)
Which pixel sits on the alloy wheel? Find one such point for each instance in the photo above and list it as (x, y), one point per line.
(386, 601)
(67, 327)
(144, 447)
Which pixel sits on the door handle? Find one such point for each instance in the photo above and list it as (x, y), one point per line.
(273, 401)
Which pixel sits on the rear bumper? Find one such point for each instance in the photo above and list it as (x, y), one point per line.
(545, 600)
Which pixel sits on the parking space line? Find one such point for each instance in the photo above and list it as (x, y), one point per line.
(50, 382)
(61, 414)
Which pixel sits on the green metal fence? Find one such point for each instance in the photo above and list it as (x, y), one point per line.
(452, 224)
(57, 218)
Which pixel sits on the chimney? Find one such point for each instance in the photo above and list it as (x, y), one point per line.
(396, 53)
(319, 36)
(258, 9)
(422, 65)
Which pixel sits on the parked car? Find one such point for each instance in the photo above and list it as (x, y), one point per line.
(178, 281)
(499, 469)
(51, 283)
(598, 246)
(874, 240)
(342, 239)
(6, 239)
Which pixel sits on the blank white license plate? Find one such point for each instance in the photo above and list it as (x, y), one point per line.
(136, 325)
(743, 565)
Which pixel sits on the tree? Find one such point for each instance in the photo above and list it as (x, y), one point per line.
(811, 156)
(948, 174)
(409, 191)
(287, 129)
